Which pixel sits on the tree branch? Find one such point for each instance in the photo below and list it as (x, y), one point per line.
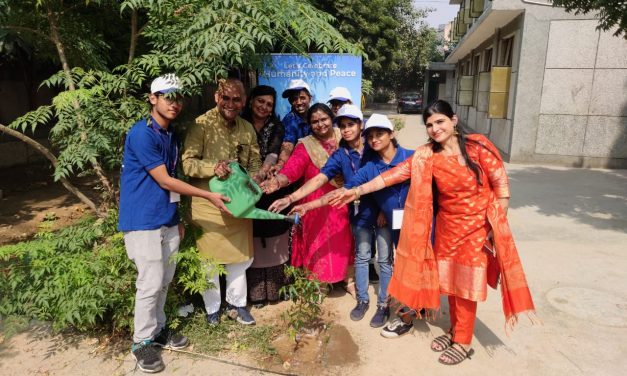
(56, 39)
(27, 29)
(133, 45)
(53, 160)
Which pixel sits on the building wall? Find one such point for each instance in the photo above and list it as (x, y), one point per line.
(16, 102)
(15, 153)
(567, 96)
(476, 116)
(581, 117)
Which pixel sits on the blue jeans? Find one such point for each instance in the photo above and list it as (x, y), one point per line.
(363, 239)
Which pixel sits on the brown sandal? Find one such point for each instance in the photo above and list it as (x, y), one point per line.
(455, 355)
(442, 342)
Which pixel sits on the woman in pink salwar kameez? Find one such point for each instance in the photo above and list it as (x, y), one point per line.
(322, 243)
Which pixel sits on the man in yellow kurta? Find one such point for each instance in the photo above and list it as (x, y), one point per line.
(216, 138)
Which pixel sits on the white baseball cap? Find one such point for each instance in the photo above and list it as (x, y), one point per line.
(378, 121)
(349, 111)
(341, 94)
(296, 85)
(165, 84)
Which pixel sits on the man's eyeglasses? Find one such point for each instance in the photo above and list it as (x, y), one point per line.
(226, 98)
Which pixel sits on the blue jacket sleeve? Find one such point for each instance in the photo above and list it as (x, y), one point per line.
(291, 131)
(361, 176)
(333, 167)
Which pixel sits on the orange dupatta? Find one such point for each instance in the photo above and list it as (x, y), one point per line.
(415, 280)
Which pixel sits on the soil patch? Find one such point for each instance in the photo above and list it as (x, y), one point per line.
(30, 195)
(331, 350)
(341, 349)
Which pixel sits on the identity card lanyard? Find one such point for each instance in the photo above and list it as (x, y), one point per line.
(356, 202)
(397, 214)
(172, 155)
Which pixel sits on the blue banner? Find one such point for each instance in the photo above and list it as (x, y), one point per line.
(322, 72)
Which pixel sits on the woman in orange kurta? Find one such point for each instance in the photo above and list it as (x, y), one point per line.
(472, 196)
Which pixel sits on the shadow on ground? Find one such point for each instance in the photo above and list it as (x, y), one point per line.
(40, 335)
(483, 334)
(594, 197)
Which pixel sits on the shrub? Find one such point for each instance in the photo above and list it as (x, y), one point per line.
(81, 277)
(398, 124)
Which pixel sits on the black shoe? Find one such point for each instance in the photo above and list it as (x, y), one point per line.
(380, 317)
(359, 311)
(213, 319)
(240, 314)
(147, 357)
(170, 340)
(396, 329)
(373, 277)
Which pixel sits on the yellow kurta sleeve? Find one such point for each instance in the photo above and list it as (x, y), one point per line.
(193, 151)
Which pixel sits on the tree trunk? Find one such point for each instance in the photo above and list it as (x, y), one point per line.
(56, 38)
(46, 153)
(133, 44)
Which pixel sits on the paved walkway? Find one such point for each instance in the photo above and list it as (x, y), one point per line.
(570, 226)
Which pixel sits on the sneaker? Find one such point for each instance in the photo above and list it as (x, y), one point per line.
(373, 277)
(241, 315)
(147, 358)
(167, 339)
(359, 311)
(213, 319)
(380, 317)
(396, 328)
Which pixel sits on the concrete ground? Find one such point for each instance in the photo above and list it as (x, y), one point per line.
(570, 226)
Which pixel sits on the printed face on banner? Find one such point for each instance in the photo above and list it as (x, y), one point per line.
(322, 72)
(301, 101)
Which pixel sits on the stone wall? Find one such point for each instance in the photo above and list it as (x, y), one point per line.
(583, 111)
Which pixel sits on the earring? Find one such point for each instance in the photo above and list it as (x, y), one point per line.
(455, 132)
